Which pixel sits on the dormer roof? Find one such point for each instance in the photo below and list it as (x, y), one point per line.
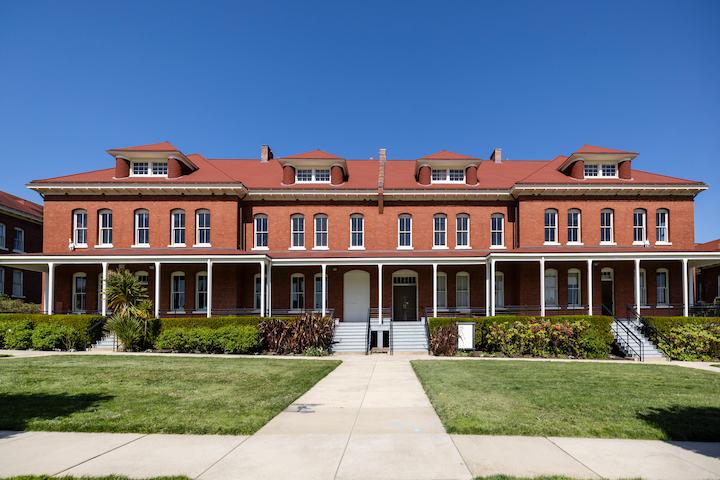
(447, 155)
(593, 149)
(445, 159)
(591, 152)
(316, 154)
(151, 147)
(153, 151)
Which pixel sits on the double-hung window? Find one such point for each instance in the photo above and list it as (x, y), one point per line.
(639, 226)
(177, 219)
(607, 170)
(573, 226)
(201, 292)
(357, 231)
(202, 227)
(17, 285)
(79, 293)
(663, 289)
(142, 228)
(497, 230)
(318, 291)
(321, 231)
(405, 231)
(177, 292)
(462, 290)
(662, 220)
(19, 240)
(105, 221)
(149, 169)
(448, 175)
(312, 175)
(297, 231)
(80, 228)
(551, 226)
(442, 290)
(573, 288)
(606, 226)
(297, 291)
(551, 287)
(440, 231)
(261, 231)
(462, 231)
(2, 235)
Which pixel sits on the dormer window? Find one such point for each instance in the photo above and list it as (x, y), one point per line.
(448, 175)
(149, 169)
(313, 175)
(601, 170)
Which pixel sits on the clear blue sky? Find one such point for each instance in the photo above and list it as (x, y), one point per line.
(537, 78)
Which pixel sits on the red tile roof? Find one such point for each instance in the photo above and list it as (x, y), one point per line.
(593, 149)
(21, 205)
(315, 155)
(447, 155)
(152, 147)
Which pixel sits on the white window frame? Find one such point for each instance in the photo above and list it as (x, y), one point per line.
(139, 229)
(462, 232)
(176, 295)
(551, 228)
(447, 175)
(261, 235)
(462, 293)
(317, 290)
(297, 297)
(177, 229)
(643, 287)
(257, 291)
(317, 175)
(142, 277)
(664, 228)
(499, 289)
(597, 169)
(357, 220)
(574, 225)
(19, 240)
(3, 236)
(640, 236)
(439, 231)
(151, 169)
(321, 230)
(664, 288)
(550, 289)
(79, 295)
(610, 228)
(199, 293)
(18, 286)
(405, 234)
(574, 289)
(80, 228)
(105, 227)
(297, 233)
(203, 231)
(442, 290)
(495, 232)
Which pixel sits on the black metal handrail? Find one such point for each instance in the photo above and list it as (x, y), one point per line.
(390, 337)
(648, 329)
(619, 329)
(367, 333)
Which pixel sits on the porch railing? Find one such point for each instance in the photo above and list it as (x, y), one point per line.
(454, 312)
(221, 312)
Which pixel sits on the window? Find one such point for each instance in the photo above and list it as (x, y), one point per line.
(551, 287)
(663, 289)
(551, 226)
(499, 289)
(297, 291)
(662, 226)
(609, 170)
(160, 168)
(140, 168)
(462, 231)
(79, 293)
(201, 292)
(643, 286)
(321, 231)
(574, 226)
(177, 292)
(297, 228)
(177, 218)
(105, 225)
(357, 231)
(639, 226)
(261, 231)
(99, 292)
(2, 281)
(606, 226)
(601, 170)
(448, 175)
(149, 169)
(574, 287)
(404, 231)
(462, 290)
(142, 227)
(497, 230)
(2, 236)
(591, 170)
(19, 240)
(258, 291)
(439, 231)
(318, 291)
(202, 227)
(442, 290)
(17, 285)
(80, 227)
(313, 175)
(142, 277)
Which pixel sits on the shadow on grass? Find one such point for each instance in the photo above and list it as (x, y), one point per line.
(16, 411)
(700, 424)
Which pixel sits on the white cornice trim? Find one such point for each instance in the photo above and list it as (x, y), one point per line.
(608, 189)
(134, 188)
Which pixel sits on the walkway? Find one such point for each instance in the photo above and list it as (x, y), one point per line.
(368, 419)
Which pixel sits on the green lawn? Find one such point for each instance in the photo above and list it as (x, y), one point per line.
(573, 399)
(151, 394)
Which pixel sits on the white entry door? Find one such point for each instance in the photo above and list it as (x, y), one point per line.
(356, 296)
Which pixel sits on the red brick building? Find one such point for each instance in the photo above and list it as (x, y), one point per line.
(21, 232)
(445, 234)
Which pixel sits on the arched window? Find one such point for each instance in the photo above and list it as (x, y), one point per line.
(201, 292)
(462, 290)
(321, 231)
(357, 231)
(442, 290)
(177, 228)
(105, 225)
(177, 292)
(297, 291)
(142, 228)
(405, 231)
(662, 285)
(639, 226)
(551, 226)
(202, 228)
(574, 297)
(317, 291)
(462, 230)
(574, 226)
(551, 287)
(439, 230)
(607, 234)
(497, 230)
(79, 292)
(297, 231)
(261, 231)
(499, 290)
(80, 228)
(662, 226)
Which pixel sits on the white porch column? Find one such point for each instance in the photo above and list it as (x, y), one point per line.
(686, 306)
(103, 287)
(209, 287)
(50, 297)
(262, 288)
(380, 293)
(491, 293)
(542, 287)
(323, 270)
(637, 286)
(269, 290)
(434, 289)
(157, 289)
(590, 286)
(487, 289)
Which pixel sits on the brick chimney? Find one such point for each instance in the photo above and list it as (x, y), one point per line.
(496, 156)
(265, 154)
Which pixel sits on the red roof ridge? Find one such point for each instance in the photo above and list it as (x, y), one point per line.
(315, 155)
(447, 155)
(150, 147)
(594, 149)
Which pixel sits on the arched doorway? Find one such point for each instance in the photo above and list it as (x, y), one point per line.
(607, 290)
(356, 296)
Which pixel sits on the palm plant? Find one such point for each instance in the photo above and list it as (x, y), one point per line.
(128, 300)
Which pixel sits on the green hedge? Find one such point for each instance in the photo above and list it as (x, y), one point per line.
(226, 339)
(212, 322)
(18, 331)
(687, 338)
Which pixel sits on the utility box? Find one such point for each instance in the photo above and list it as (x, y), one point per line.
(466, 335)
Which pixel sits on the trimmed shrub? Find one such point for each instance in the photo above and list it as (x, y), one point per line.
(90, 326)
(687, 338)
(14, 305)
(228, 339)
(16, 335)
(48, 336)
(212, 322)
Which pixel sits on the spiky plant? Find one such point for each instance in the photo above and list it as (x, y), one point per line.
(127, 298)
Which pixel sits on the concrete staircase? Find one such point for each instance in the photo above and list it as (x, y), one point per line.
(630, 345)
(350, 337)
(409, 337)
(108, 342)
